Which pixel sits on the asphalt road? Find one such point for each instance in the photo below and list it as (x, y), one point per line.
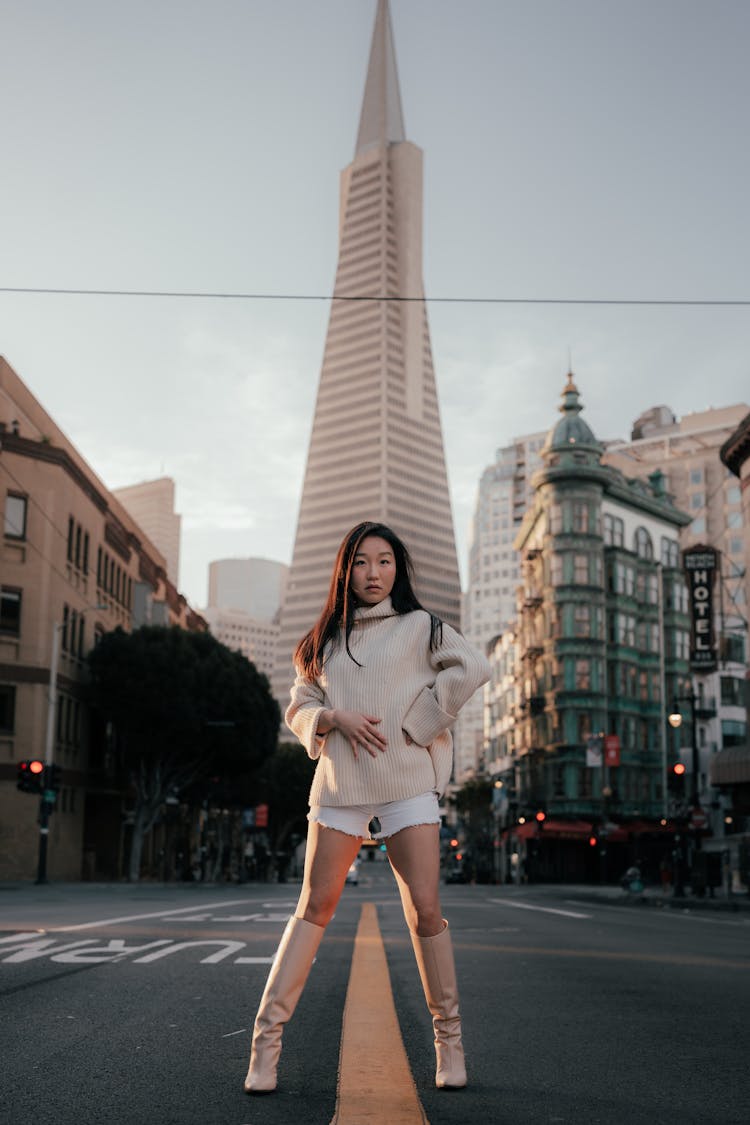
(134, 1005)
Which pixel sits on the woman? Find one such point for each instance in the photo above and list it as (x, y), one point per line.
(379, 683)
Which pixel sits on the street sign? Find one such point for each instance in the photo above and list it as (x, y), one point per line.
(612, 750)
(698, 818)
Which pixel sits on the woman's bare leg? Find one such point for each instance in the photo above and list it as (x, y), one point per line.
(415, 858)
(328, 857)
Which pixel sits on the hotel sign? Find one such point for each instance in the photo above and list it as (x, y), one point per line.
(701, 565)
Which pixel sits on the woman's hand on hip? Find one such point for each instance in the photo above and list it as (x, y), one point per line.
(361, 730)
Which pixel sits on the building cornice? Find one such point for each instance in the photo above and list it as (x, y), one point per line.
(736, 449)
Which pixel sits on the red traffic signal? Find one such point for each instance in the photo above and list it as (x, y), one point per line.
(593, 841)
(678, 768)
(541, 816)
(30, 775)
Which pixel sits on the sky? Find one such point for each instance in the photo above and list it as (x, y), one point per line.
(574, 149)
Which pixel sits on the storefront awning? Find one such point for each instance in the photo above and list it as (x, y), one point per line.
(731, 766)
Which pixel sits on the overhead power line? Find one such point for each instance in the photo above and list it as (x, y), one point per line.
(677, 302)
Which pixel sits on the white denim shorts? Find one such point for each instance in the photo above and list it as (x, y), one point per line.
(392, 816)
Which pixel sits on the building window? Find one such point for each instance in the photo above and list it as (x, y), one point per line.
(625, 629)
(583, 675)
(670, 553)
(644, 548)
(622, 579)
(71, 537)
(733, 732)
(15, 516)
(734, 519)
(731, 691)
(580, 517)
(10, 611)
(614, 531)
(733, 494)
(7, 708)
(584, 726)
(696, 476)
(698, 526)
(582, 621)
(581, 570)
(555, 519)
(556, 570)
(733, 648)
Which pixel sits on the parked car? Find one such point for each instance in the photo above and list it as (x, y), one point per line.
(352, 875)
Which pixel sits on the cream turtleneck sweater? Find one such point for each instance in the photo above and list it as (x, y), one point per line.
(399, 680)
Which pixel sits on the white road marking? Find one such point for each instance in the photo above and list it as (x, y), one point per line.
(254, 961)
(542, 909)
(141, 917)
(242, 1031)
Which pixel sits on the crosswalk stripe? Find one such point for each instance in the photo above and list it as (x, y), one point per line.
(375, 1081)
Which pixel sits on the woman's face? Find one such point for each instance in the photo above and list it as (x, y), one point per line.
(373, 570)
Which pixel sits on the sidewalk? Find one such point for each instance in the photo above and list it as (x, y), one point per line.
(654, 897)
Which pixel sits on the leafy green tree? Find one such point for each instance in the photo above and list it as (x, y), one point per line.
(184, 707)
(473, 802)
(283, 782)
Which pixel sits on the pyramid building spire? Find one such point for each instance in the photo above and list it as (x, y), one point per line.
(376, 449)
(382, 119)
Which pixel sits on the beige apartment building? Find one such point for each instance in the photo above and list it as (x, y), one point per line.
(688, 452)
(73, 564)
(376, 451)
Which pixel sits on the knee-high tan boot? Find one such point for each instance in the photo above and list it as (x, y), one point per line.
(438, 972)
(287, 977)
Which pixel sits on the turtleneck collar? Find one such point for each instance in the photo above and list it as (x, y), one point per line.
(374, 612)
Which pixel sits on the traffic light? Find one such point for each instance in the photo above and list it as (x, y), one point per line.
(30, 775)
(593, 838)
(540, 816)
(53, 777)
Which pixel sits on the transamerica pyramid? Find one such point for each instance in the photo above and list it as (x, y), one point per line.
(376, 450)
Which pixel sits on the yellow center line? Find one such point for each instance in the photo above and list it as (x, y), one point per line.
(375, 1081)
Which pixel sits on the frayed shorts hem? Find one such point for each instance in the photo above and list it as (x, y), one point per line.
(390, 817)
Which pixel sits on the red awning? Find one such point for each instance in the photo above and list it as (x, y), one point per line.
(649, 828)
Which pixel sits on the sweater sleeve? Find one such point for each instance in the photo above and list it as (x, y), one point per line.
(303, 714)
(459, 671)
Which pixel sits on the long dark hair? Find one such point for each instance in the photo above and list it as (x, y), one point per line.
(338, 611)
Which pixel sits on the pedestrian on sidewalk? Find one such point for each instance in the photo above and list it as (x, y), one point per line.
(379, 683)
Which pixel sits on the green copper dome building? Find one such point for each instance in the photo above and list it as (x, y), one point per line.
(577, 718)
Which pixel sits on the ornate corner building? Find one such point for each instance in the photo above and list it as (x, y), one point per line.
(576, 718)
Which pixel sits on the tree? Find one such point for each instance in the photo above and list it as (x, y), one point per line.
(473, 802)
(284, 782)
(183, 707)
